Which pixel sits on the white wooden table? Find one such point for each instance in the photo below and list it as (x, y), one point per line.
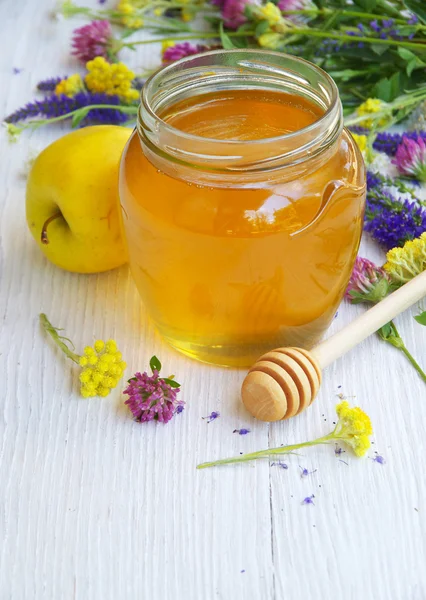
(96, 506)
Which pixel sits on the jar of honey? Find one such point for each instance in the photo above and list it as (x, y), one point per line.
(243, 199)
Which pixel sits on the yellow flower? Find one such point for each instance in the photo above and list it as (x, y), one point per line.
(128, 18)
(103, 368)
(370, 107)
(354, 428)
(271, 13)
(405, 263)
(70, 86)
(361, 141)
(270, 40)
(112, 79)
(102, 365)
(187, 14)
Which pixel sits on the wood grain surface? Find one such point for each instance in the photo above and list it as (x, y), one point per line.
(95, 506)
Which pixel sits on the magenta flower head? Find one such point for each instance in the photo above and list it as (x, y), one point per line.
(233, 13)
(368, 282)
(410, 158)
(92, 40)
(153, 398)
(178, 51)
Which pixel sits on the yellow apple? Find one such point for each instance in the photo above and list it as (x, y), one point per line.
(73, 208)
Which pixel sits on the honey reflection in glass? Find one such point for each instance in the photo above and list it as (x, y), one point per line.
(228, 273)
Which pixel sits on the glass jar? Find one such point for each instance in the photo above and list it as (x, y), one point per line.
(243, 199)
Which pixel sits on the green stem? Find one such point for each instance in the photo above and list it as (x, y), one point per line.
(350, 38)
(414, 362)
(53, 332)
(402, 102)
(390, 334)
(267, 453)
(132, 110)
(344, 13)
(192, 36)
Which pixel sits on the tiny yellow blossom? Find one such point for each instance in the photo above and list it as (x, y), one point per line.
(187, 14)
(128, 18)
(70, 86)
(104, 370)
(271, 13)
(354, 428)
(165, 45)
(270, 40)
(102, 364)
(361, 141)
(405, 263)
(370, 107)
(112, 79)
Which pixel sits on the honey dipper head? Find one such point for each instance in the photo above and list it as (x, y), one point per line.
(281, 384)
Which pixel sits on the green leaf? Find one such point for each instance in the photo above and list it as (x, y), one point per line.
(171, 382)
(155, 364)
(367, 5)
(418, 7)
(261, 28)
(78, 117)
(406, 54)
(421, 318)
(227, 43)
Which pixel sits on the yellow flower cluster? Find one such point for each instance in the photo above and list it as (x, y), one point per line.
(271, 13)
(405, 263)
(128, 18)
(70, 86)
(112, 79)
(102, 369)
(361, 141)
(270, 40)
(370, 107)
(354, 428)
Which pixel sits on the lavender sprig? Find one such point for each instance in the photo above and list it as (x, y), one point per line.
(389, 220)
(49, 85)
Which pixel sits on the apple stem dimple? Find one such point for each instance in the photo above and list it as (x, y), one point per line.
(44, 239)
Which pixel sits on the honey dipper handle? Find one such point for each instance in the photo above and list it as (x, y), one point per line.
(365, 325)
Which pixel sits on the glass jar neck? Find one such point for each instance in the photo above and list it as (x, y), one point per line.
(213, 160)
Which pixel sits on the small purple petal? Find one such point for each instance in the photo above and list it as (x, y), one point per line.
(241, 431)
(379, 459)
(308, 500)
(212, 416)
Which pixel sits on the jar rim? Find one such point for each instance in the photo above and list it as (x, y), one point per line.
(187, 60)
(231, 70)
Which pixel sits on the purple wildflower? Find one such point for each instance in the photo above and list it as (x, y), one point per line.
(305, 472)
(241, 431)
(233, 13)
(389, 142)
(309, 500)
(379, 459)
(368, 282)
(55, 106)
(285, 5)
(391, 221)
(280, 464)
(181, 50)
(153, 398)
(410, 158)
(49, 85)
(92, 40)
(212, 416)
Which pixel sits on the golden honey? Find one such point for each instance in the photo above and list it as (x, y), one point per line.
(234, 261)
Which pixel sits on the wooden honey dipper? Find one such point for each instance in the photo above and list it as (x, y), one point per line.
(285, 381)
